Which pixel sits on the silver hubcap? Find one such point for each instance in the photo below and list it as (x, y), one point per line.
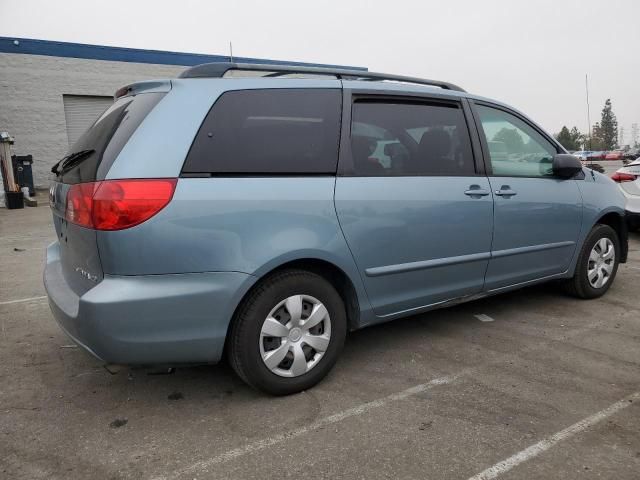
(295, 335)
(601, 261)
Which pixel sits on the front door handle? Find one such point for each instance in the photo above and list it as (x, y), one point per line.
(505, 191)
(476, 191)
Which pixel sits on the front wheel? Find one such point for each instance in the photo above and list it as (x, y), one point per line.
(597, 264)
(288, 332)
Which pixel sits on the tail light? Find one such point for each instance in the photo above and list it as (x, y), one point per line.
(622, 177)
(117, 204)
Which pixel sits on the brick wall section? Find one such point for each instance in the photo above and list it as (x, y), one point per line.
(31, 89)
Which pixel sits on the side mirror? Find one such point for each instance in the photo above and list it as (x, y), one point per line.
(565, 165)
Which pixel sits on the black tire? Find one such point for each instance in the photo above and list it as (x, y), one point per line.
(578, 285)
(244, 336)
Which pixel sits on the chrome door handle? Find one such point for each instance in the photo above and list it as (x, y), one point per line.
(476, 192)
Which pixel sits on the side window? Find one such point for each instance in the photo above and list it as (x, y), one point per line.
(403, 139)
(515, 148)
(269, 131)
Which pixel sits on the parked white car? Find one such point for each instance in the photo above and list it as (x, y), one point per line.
(628, 178)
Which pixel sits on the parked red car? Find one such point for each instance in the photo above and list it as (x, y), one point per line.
(615, 155)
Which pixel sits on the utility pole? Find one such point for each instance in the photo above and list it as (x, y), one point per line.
(586, 85)
(621, 137)
(634, 134)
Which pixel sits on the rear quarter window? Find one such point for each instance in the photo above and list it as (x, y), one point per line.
(270, 131)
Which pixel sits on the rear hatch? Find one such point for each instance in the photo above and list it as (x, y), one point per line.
(88, 161)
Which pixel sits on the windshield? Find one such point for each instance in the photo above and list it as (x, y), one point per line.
(90, 158)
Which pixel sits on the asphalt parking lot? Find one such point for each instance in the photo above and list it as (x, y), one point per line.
(610, 166)
(542, 386)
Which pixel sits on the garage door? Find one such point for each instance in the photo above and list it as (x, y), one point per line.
(80, 111)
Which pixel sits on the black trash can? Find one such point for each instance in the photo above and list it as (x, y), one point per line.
(13, 200)
(23, 172)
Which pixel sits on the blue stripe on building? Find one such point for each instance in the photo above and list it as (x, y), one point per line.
(49, 48)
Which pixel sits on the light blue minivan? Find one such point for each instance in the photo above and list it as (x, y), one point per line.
(261, 212)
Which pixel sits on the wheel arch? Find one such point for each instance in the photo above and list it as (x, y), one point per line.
(329, 270)
(616, 221)
(334, 275)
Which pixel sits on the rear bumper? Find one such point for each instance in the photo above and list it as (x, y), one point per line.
(147, 319)
(633, 219)
(632, 209)
(632, 202)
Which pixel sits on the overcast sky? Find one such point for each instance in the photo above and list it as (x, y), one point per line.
(531, 54)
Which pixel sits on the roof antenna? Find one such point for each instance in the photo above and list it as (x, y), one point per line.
(231, 52)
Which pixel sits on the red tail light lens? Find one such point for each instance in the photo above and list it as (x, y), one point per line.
(80, 204)
(117, 204)
(622, 177)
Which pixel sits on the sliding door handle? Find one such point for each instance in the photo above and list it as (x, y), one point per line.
(476, 191)
(505, 191)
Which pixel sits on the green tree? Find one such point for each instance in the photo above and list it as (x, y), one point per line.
(608, 131)
(571, 140)
(564, 137)
(596, 141)
(511, 138)
(577, 138)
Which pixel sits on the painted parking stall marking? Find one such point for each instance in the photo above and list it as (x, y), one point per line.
(203, 465)
(484, 318)
(545, 444)
(258, 445)
(23, 300)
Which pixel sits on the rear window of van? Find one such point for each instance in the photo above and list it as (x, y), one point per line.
(91, 157)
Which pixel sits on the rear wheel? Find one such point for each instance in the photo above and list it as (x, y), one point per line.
(597, 265)
(288, 332)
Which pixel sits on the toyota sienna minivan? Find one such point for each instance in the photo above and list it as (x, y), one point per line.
(262, 212)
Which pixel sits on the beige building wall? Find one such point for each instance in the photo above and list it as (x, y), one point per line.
(31, 90)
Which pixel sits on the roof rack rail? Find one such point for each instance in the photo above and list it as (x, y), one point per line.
(218, 70)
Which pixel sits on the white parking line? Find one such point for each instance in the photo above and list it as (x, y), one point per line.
(21, 300)
(547, 443)
(18, 238)
(358, 410)
(203, 465)
(484, 318)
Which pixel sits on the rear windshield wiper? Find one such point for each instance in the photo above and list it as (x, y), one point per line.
(70, 160)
